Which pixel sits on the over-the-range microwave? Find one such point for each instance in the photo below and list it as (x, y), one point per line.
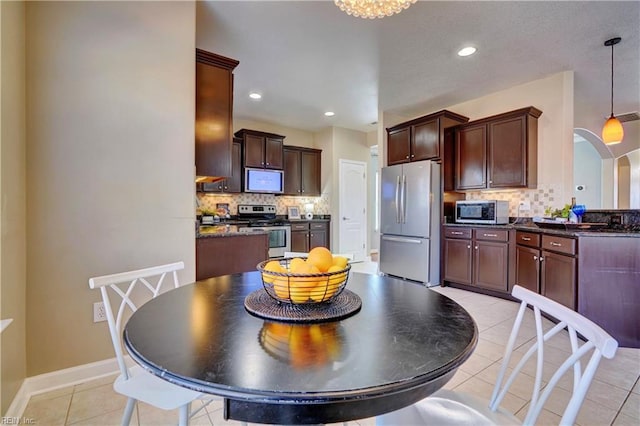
(492, 212)
(263, 181)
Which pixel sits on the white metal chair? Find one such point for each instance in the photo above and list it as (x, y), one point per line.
(128, 291)
(447, 407)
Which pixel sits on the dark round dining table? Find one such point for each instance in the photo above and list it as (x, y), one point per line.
(405, 342)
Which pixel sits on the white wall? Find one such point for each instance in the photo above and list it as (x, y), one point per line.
(110, 155)
(13, 226)
(347, 145)
(588, 173)
(294, 137)
(633, 194)
(554, 97)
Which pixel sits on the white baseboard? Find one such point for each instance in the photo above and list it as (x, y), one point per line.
(60, 379)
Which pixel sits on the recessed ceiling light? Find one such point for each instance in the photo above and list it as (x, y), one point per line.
(329, 113)
(254, 95)
(466, 51)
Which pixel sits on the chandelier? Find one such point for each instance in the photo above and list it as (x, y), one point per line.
(371, 9)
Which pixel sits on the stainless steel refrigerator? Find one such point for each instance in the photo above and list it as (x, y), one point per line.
(410, 221)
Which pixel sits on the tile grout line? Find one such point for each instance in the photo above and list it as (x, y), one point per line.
(66, 417)
(625, 400)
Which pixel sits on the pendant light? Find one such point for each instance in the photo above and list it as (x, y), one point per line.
(612, 132)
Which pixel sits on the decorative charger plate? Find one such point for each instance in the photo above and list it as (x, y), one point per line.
(260, 304)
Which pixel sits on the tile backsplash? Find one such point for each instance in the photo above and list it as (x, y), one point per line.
(208, 201)
(539, 199)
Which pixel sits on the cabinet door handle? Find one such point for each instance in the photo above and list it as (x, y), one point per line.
(456, 233)
(526, 239)
(267, 164)
(541, 258)
(412, 155)
(476, 247)
(555, 244)
(535, 257)
(468, 246)
(490, 235)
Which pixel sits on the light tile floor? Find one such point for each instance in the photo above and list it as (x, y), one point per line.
(613, 399)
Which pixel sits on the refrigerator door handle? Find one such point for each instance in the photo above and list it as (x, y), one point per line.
(404, 199)
(397, 202)
(402, 240)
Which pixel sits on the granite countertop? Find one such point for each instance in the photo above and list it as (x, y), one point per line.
(531, 227)
(226, 230)
(229, 227)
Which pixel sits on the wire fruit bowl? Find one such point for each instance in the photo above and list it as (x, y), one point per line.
(302, 289)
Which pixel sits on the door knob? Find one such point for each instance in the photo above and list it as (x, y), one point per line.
(345, 218)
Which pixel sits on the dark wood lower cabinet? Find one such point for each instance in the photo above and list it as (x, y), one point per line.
(594, 274)
(609, 292)
(457, 265)
(477, 257)
(558, 278)
(307, 235)
(528, 268)
(552, 272)
(318, 234)
(216, 256)
(491, 261)
(300, 240)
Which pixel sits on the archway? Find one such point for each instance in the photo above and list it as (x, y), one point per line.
(593, 171)
(624, 183)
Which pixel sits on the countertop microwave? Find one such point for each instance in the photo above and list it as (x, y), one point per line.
(493, 212)
(263, 181)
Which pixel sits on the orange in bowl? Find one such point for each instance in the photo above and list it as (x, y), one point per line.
(321, 258)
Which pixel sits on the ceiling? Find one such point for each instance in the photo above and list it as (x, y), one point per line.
(308, 57)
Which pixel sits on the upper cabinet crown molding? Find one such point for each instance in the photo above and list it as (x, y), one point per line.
(214, 116)
(498, 152)
(421, 138)
(219, 61)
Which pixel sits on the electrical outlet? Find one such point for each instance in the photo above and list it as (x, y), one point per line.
(99, 314)
(525, 205)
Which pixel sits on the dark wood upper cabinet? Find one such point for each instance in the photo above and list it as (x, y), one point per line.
(471, 157)
(233, 183)
(292, 172)
(261, 150)
(426, 141)
(398, 150)
(420, 139)
(214, 107)
(302, 171)
(498, 152)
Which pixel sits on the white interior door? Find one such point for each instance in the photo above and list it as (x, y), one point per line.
(352, 236)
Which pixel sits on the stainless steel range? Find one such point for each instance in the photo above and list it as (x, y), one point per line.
(263, 218)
